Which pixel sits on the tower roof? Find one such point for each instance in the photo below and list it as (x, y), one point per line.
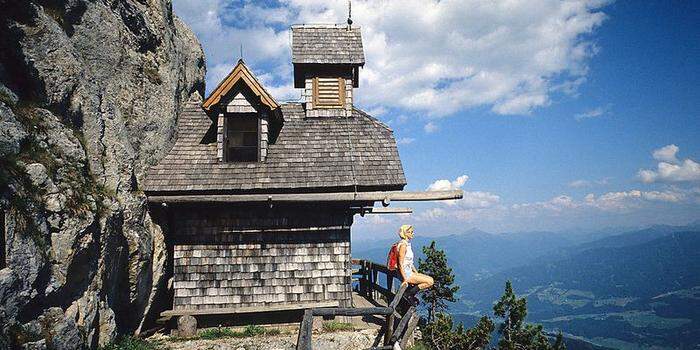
(327, 44)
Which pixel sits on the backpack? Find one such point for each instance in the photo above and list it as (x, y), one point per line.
(392, 261)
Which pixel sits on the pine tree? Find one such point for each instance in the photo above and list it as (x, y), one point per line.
(515, 334)
(442, 334)
(443, 291)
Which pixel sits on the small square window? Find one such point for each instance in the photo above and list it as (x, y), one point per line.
(241, 142)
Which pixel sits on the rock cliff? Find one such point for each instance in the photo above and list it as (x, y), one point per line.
(90, 93)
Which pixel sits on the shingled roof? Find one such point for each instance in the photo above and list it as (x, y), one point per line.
(310, 154)
(327, 44)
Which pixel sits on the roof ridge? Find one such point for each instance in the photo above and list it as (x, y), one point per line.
(323, 25)
(373, 119)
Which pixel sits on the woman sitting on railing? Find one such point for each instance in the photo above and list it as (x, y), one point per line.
(407, 269)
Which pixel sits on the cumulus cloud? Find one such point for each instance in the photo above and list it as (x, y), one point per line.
(434, 57)
(666, 154)
(447, 185)
(669, 168)
(471, 199)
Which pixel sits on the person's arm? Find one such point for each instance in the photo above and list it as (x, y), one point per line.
(402, 255)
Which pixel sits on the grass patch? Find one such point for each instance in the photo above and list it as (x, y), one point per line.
(334, 326)
(419, 346)
(248, 331)
(130, 343)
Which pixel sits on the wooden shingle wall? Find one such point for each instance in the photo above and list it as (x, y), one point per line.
(222, 260)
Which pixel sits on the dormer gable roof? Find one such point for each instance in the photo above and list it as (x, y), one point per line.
(240, 72)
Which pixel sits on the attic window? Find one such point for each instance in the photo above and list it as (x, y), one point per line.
(242, 138)
(329, 92)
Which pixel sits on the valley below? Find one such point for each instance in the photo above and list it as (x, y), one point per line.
(612, 289)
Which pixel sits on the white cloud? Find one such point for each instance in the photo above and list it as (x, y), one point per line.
(470, 200)
(666, 154)
(405, 141)
(429, 56)
(447, 185)
(430, 127)
(592, 114)
(580, 183)
(478, 200)
(670, 169)
(587, 183)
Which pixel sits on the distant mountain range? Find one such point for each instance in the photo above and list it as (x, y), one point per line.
(620, 290)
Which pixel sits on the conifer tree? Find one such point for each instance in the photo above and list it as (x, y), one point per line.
(442, 334)
(514, 332)
(443, 291)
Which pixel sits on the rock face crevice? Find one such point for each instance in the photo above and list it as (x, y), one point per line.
(90, 93)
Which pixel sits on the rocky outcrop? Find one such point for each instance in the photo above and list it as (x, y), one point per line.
(90, 93)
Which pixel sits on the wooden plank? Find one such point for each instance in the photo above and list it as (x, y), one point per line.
(397, 297)
(311, 197)
(248, 309)
(402, 324)
(351, 311)
(412, 324)
(390, 319)
(381, 211)
(304, 338)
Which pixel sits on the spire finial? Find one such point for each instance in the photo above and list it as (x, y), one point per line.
(349, 14)
(241, 57)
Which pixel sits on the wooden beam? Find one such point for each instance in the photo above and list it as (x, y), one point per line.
(311, 197)
(351, 311)
(389, 211)
(248, 309)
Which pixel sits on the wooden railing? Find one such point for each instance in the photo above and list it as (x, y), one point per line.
(400, 315)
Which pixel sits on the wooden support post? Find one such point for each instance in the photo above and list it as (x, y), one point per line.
(390, 283)
(408, 334)
(402, 324)
(375, 274)
(304, 339)
(390, 319)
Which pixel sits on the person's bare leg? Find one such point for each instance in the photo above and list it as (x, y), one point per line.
(423, 281)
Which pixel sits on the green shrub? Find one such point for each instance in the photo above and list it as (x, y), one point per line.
(130, 343)
(216, 333)
(248, 331)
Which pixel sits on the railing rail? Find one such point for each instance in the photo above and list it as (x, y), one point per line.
(401, 318)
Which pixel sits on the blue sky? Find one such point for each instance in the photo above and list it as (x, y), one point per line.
(549, 115)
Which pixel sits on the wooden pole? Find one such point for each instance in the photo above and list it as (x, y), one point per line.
(402, 324)
(304, 339)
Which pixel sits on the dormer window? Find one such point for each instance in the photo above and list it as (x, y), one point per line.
(329, 92)
(247, 117)
(242, 137)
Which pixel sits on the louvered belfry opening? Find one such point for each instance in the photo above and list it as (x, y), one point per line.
(328, 92)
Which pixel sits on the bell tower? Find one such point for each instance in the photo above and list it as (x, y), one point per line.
(327, 61)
